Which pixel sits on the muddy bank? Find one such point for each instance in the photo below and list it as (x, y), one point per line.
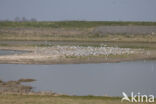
(78, 60)
(77, 54)
(16, 87)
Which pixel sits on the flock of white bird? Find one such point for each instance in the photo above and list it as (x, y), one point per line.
(83, 51)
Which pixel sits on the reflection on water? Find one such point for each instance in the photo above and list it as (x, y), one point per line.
(83, 79)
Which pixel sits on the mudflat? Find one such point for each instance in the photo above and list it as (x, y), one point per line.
(77, 41)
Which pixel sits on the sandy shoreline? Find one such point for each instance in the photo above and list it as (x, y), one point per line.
(75, 55)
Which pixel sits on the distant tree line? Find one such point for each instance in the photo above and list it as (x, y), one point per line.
(24, 19)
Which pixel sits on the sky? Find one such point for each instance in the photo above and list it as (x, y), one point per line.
(89, 10)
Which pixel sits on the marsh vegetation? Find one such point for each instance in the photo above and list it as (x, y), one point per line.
(71, 42)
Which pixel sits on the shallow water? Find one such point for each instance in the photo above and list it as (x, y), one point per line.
(87, 79)
(11, 52)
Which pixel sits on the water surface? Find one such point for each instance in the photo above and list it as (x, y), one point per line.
(11, 52)
(87, 79)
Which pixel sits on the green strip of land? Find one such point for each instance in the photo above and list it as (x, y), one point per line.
(45, 99)
(72, 24)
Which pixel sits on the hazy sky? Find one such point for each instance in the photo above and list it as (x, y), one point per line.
(102, 10)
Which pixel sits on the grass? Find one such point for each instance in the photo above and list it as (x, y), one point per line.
(116, 38)
(1, 81)
(70, 24)
(46, 99)
(134, 45)
(76, 31)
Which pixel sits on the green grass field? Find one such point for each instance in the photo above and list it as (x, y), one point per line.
(44, 99)
(71, 24)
